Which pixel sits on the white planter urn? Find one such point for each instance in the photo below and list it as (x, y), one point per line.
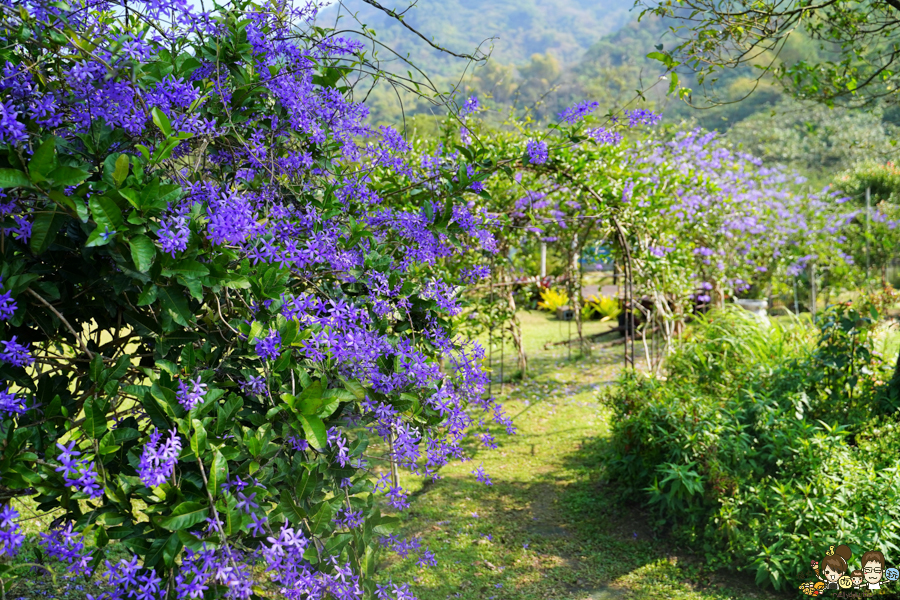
(757, 307)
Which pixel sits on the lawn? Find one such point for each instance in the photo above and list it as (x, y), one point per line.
(547, 527)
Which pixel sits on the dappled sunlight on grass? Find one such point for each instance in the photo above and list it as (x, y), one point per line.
(547, 527)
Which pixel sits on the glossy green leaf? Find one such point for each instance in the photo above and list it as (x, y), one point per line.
(12, 178)
(176, 304)
(143, 252)
(218, 473)
(161, 121)
(121, 172)
(105, 212)
(43, 160)
(185, 516)
(44, 229)
(95, 416)
(314, 429)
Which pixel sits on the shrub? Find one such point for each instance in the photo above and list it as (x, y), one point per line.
(604, 308)
(208, 314)
(761, 443)
(553, 300)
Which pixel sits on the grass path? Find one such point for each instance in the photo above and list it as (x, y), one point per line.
(544, 529)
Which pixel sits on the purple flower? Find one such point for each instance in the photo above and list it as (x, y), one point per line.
(257, 524)
(537, 152)
(10, 403)
(255, 385)
(15, 353)
(641, 116)
(7, 305)
(189, 398)
(78, 473)
(10, 536)
(336, 440)
(246, 503)
(349, 519)
(471, 105)
(67, 546)
(604, 136)
(158, 460)
(481, 476)
(575, 113)
(269, 347)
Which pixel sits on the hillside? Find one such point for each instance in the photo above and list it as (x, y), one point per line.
(551, 53)
(563, 28)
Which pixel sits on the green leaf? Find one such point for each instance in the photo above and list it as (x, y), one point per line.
(314, 429)
(161, 121)
(198, 440)
(155, 412)
(162, 549)
(105, 212)
(177, 305)
(64, 176)
(148, 295)
(143, 252)
(256, 329)
(114, 439)
(11, 178)
(97, 238)
(121, 171)
(44, 230)
(218, 473)
(294, 513)
(190, 268)
(43, 160)
(356, 389)
(95, 417)
(386, 525)
(322, 519)
(185, 516)
(132, 197)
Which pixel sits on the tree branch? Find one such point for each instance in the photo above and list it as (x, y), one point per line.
(65, 322)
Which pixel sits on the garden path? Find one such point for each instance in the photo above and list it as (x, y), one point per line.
(548, 528)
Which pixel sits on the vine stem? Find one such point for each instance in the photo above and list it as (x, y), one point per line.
(65, 322)
(212, 507)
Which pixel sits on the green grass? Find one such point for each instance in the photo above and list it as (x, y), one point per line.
(542, 336)
(548, 527)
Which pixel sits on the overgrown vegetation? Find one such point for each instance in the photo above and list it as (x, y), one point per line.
(766, 440)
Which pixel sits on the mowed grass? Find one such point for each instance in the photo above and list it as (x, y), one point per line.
(548, 527)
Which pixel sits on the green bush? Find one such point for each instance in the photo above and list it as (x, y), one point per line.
(765, 442)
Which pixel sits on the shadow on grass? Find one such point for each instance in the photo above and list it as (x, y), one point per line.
(524, 543)
(603, 506)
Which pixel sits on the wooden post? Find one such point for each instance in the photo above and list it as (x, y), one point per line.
(812, 290)
(868, 229)
(796, 301)
(543, 260)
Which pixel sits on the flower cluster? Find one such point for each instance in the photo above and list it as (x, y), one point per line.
(11, 537)
(67, 545)
(191, 397)
(251, 187)
(78, 473)
(158, 460)
(537, 152)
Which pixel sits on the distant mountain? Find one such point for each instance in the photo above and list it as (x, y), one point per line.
(563, 28)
